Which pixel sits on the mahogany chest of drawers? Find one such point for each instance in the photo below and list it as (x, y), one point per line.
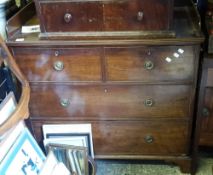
(137, 92)
(205, 102)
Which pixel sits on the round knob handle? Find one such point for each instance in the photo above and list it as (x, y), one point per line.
(206, 112)
(149, 65)
(149, 139)
(65, 102)
(149, 102)
(140, 16)
(67, 17)
(58, 65)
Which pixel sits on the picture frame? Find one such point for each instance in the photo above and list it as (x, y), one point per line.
(8, 138)
(70, 134)
(53, 167)
(24, 158)
(73, 157)
(49, 164)
(7, 107)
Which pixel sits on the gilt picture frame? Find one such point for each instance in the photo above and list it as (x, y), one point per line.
(73, 157)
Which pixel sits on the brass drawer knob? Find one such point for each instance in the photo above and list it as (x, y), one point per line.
(205, 112)
(149, 139)
(58, 65)
(64, 102)
(149, 65)
(140, 16)
(67, 17)
(149, 102)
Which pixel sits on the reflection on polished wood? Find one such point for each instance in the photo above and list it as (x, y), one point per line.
(128, 63)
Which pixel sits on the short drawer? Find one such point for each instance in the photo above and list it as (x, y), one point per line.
(137, 15)
(60, 65)
(148, 64)
(71, 16)
(133, 138)
(110, 102)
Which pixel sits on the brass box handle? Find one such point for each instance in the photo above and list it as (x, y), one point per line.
(64, 102)
(149, 65)
(149, 139)
(205, 112)
(149, 102)
(58, 65)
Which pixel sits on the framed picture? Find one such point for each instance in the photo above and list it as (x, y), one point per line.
(49, 164)
(8, 138)
(24, 158)
(7, 107)
(73, 157)
(53, 167)
(70, 134)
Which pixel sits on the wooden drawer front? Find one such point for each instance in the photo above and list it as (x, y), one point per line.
(209, 77)
(137, 15)
(60, 64)
(207, 113)
(71, 16)
(165, 63)
(114, 138)
(110, 102)
(123, 15)
(139, 138)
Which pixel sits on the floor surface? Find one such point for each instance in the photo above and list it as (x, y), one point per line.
(125, 168)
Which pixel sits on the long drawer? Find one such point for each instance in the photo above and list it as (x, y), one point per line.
(147, 64)
(60, 65)
(113, 102)
(133, 138)
(122, 15)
